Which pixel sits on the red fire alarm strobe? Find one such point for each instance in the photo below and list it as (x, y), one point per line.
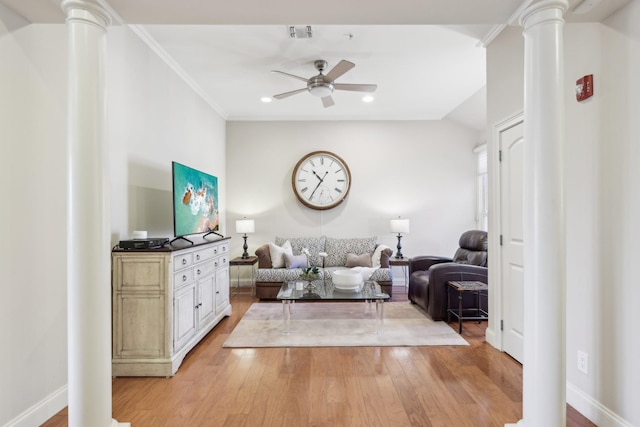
(584, 87)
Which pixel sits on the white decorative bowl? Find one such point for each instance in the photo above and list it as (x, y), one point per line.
(346, 279)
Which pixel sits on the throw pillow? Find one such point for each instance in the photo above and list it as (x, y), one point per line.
(277, 253)
(295, 261)
(354, 260)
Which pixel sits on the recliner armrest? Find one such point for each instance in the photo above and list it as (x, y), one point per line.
(425, 262)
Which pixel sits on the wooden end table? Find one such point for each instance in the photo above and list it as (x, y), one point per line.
(244, 262)
(404, 263)
(474, 313)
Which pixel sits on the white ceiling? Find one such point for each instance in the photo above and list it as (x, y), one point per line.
(425, 55)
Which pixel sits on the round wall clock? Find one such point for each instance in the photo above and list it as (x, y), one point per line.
(321, 180)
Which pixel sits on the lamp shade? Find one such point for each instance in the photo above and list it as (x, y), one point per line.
(245, 226)
(399, 225)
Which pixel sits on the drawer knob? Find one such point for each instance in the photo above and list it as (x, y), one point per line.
(215, 251)
(198, 257)
(184, 278)
(215, 263)
(198, 272)
(184, 261)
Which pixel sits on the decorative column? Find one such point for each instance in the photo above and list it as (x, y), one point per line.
(88, 226)
(544, 376)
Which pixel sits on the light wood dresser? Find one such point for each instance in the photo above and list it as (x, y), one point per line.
(164, 301)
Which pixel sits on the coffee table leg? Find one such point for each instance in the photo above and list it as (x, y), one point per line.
(286, 317)
(379, 315)
(367, 307)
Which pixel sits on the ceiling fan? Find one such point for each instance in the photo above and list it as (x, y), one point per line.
(322, 85)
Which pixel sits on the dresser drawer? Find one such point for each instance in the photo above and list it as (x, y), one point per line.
(182, 278)
(221, 249)
(203, 255)
(181, 261)
(221, 261)
(204, 269)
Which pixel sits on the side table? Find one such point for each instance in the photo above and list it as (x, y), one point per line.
(404, 263)
(244, 262)
(475, 313)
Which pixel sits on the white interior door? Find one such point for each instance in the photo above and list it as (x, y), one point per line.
(511, 204)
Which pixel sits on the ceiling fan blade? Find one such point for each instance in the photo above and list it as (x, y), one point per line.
(288, 94)
(341, 68)
(290, 75)
(327, 101)
(355, 87)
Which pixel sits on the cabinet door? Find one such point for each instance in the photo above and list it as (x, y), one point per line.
(139, 325)
(206, 300)
(185, 320)
(222, 289)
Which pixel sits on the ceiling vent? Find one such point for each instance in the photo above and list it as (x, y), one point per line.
(303, 32)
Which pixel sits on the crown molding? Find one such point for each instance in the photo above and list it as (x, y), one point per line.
(168, 59)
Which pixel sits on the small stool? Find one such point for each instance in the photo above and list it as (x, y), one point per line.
(477, 313)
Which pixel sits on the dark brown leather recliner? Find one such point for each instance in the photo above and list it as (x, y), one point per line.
(429, 275)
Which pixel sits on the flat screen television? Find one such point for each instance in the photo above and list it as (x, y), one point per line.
(195, 202)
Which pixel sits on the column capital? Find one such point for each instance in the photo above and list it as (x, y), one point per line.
(87, 11)
(530, 16)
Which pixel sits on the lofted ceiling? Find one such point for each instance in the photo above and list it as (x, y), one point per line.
(425, 56)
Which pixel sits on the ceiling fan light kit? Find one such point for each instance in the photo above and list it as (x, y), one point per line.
(322, 85)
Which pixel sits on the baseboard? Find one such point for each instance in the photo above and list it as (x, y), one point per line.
(492, 338)
(43, 410)
(596, 412)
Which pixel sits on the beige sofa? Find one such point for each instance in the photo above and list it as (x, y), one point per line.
(340, 254)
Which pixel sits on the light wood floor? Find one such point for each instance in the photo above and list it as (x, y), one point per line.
(342, 386)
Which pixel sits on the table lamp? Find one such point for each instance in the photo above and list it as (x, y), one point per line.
(244, 226)
(399, 226)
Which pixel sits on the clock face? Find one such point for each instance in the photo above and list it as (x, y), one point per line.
(321, 180)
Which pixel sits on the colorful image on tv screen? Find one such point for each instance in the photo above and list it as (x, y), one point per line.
(195, 201)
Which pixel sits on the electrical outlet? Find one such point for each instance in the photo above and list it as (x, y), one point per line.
(583, 362)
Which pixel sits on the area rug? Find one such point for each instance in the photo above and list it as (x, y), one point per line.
(340, 325)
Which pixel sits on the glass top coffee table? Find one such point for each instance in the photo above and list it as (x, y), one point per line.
(324, 290)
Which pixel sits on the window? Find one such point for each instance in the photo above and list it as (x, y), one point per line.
(482, 208)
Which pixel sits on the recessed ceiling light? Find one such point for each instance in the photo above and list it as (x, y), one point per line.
(266, 99)
(367, 98)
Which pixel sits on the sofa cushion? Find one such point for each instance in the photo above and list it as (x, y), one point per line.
(337, 249)
(382, 275)
(363, 260)
(264, 257)
(279, 275)
(277, 253)
(295, 261)
(313, 244)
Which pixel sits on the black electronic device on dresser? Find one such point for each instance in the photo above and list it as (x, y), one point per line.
(150, 243)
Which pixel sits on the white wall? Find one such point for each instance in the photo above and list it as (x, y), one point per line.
(153, 118)
(421, 170)
(615, 341)
(33, 219)
(602, 202)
